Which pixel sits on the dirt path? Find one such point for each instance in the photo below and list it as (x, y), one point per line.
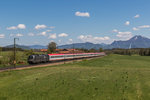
(49, 64)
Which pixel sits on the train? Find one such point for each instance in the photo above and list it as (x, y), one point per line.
(43, 58)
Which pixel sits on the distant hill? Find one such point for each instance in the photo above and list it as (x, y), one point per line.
(137, 41)
(27, 47)
(86, 45)
(18, 46)
(37, 47)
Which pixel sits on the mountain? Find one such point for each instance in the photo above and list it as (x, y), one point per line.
(27, 47)
(18, 46)
(37, 47)
(86, 45)
(137, 41)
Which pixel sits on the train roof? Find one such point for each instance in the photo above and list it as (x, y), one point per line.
(74, 53)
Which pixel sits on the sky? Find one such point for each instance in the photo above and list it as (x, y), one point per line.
(39, 22)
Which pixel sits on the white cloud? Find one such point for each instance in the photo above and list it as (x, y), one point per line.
(124, 35)
(19, 35)
(144, 26)
(81, 37)
(2, 36)
(12, 28)
(40, 26)
(52, 36)
(43, 33)
(135, 29)
(70, 40)
(63, 35)
(82, 14)
(127, 23)
(137, 16)
(141, 27)
(48, 30)
(31, 34)
(21, 26)
(115, 30)
(102, 38)
(90, 38)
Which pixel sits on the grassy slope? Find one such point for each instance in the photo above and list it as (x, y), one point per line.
(113, 77)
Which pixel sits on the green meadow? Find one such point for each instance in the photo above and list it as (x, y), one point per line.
(113, 77)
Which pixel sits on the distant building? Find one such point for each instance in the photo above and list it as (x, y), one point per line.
(68, 51)
(43, 50)
(64, 51)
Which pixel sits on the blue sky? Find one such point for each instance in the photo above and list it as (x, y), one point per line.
(72, 21)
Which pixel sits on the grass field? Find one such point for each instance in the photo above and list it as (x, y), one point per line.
(113, 77)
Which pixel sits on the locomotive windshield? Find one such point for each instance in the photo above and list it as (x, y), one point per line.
(30, 57)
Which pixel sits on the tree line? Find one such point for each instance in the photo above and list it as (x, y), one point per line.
(134, 51)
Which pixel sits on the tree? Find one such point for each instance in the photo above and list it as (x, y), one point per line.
(149, 53)
(51, 47)
(141, 52)
(100, 49)
(92, 50)
(29, 52)
(82, 49)
(0, 49)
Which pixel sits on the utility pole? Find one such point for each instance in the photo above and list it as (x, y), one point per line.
(73, 52)
(15, 51)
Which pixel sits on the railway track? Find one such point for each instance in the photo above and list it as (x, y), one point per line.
(20, 67)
